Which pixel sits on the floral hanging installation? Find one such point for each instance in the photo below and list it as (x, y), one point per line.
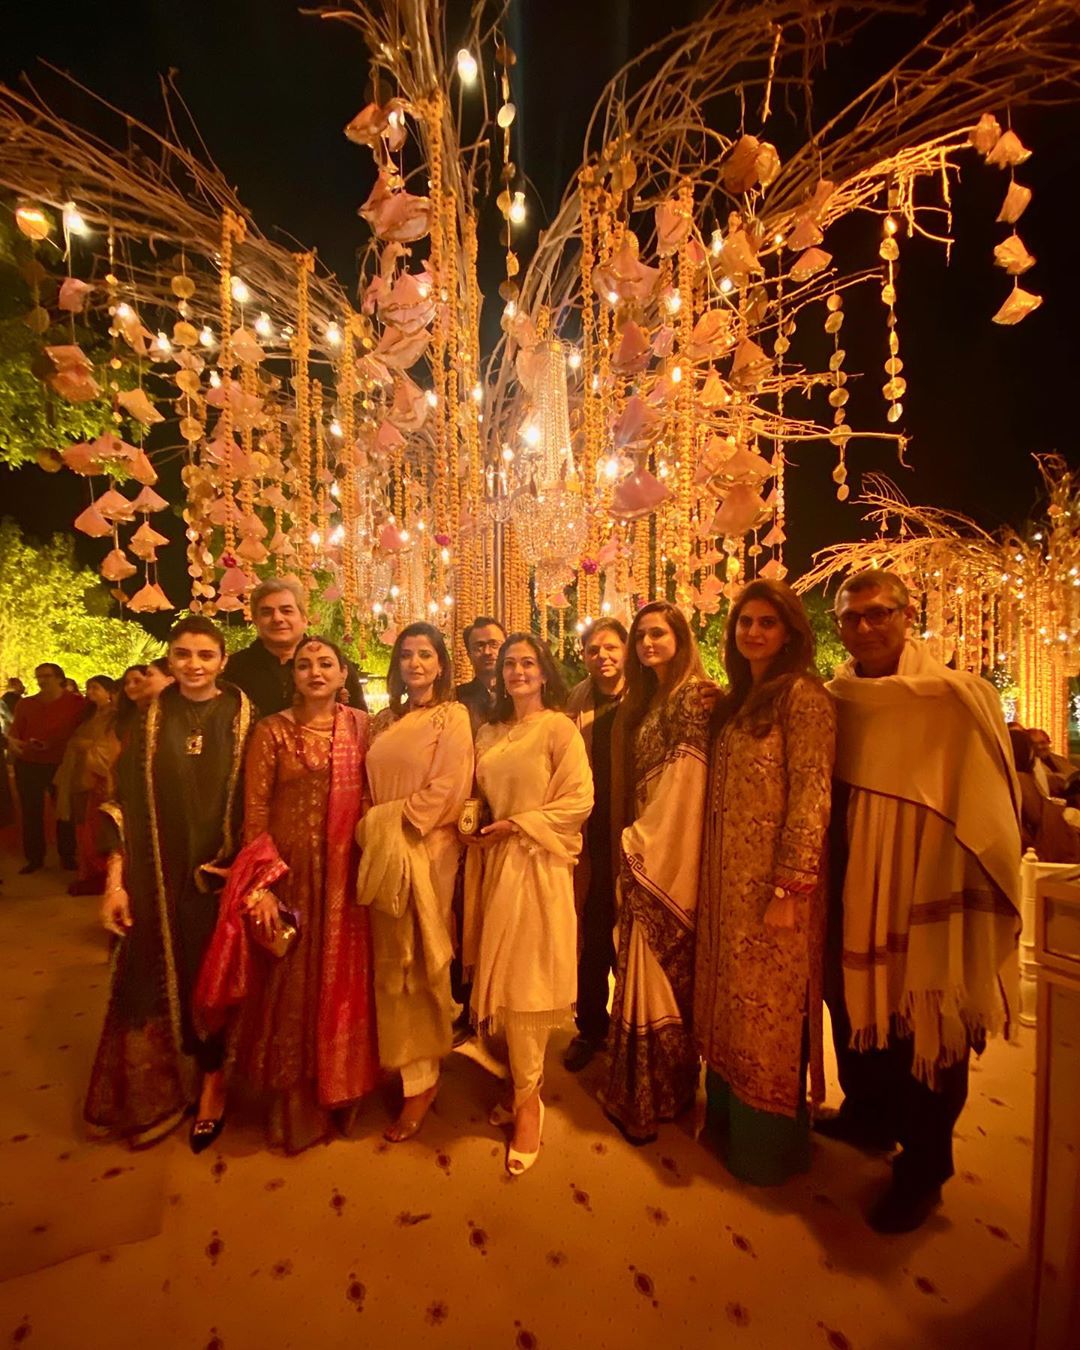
(627, 436)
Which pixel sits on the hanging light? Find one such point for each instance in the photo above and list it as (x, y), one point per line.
(162, 345)
(517, 209)
(574, 359)
(263, 326)
(240, 291)
(73, 220)
(215, 380)
(333, 334)
(466, 66)
(335, 430)
(206, 336)
(431, 398)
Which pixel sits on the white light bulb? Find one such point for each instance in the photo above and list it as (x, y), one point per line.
(333, 334)
(433, 607)
(444, 555)
(611, 467)
(240, 292)
(477, 393)
(466, 66)
(510, 310)
(315, 538)
(676, 374)
(421, 526)
(423, 289)
(673, 302)
(431, 398)
(206, 337)
(613, 297)
(395, 591)
(574, 359)
(508, 454)
(263, 326)
(162, 345)
(531, 435)
(376, 608)
(716, 243)
(337, 534)
(335, 430)
(447, 600)
(517, 209)
(215, 380)
(73, 220)
(123, 311)
(726, 285)
(405, 536)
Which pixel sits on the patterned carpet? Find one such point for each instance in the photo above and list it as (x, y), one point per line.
(360, 1243)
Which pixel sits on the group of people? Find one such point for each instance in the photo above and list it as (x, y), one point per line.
(1049, 796)
(306, 896)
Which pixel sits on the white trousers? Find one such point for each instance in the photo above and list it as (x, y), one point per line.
(418, 1076)
(526, 1061)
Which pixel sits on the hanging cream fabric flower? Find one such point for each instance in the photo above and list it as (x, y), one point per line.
(624, 276)
(115, 507)
(72, 297)
(136, 403)
(1018, 306)
(1015, 203)
(806, 234)
(1008, 151)
(985, 134)
(673, 224)
(750, 364)
(711, 335)
(638, 495)
(633, 352)
(1013, 256)
(409, 410)
(810, 263)
(742, 508)
(150, 600)
(93, 523)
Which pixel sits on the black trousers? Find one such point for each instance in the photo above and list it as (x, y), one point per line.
(33, 783)
(596, 961)
(881, 1095)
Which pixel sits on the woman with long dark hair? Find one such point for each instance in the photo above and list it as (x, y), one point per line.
(306, 1036)
(419, 775)
(520, 923)
(87, 772)
(761, 916)
(661, 735)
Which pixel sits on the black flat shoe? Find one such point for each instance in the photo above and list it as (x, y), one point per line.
(901, 1210)
(846, 1129)
(205, 1132)
(26, 870)
(579, 1052)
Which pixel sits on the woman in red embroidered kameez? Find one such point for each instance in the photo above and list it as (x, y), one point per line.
(306, 1030)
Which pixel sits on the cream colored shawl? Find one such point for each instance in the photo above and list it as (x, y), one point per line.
(931, 891)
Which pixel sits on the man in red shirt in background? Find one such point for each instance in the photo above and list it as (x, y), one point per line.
(40, 730)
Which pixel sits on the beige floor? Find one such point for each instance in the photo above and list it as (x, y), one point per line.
(430, 1244)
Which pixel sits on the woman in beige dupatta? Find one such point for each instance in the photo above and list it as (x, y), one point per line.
(663, 728)
(520, 923)
(420, 773)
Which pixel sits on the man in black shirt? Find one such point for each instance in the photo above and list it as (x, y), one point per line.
(593, 704)
(483, 638)
(263, 670)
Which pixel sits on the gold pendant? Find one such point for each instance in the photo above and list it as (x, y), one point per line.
(193, 744)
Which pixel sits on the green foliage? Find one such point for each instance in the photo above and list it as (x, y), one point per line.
(51, 610)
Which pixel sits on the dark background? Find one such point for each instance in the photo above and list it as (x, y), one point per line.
(271, 89)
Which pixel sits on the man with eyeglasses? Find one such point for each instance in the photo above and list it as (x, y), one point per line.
(924, 906)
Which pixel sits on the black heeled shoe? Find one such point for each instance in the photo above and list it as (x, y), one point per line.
(205, 1132)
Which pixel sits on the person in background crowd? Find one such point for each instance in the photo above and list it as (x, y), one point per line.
(71, 686)
(306, 1029)
(1051, 771)
(83, 779)
(662, 731)
(1044, 821)
(420, 773)
(14, 692)
(263, 669)
(761, 912)
(924, 912)
(137, 688)
(520, 926)
(592, 706)
(177, 821)
(40, 731)
(483, 638)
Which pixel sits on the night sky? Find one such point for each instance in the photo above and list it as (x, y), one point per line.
(271, 90)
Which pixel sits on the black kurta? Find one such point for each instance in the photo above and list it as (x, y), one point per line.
(177, 811)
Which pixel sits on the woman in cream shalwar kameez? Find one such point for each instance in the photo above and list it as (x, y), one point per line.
(420, 772)
(520, 921)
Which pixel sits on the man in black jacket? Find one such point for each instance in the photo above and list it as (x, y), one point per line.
(263, 670)
(483, 638)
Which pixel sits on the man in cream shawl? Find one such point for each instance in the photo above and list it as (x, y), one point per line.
(924, 909)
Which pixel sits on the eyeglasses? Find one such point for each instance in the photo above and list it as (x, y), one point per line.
(877, 616)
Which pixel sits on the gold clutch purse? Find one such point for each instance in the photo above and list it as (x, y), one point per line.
(473, 816)
(288, 930)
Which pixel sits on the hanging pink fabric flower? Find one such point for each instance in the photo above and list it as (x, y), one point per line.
(635, 424)
(73, 377)
(410, 303)
(637, 495)
(1018, 306)
(115, 566)
(741, 510)
(150, 600)
(396, 215)
(115, 507)
(81, 459)
(409, 410)
(624, 276)
(633, 352)
(400, 350)
(673, 225)
(148, 500)
(711, 335)
(145, 542)
(809, 264)
(72, 297)
(142, 470)
(93, 523)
